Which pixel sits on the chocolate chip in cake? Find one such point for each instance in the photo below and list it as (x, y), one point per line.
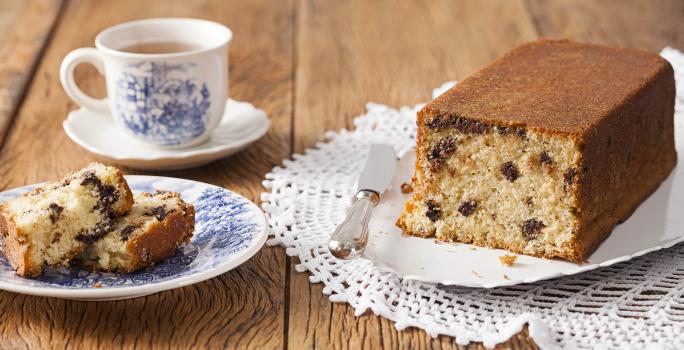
(569, 176)
(55, 212)
(438, 152)
(108, 194)
(89, 178)
(504, 130)
(126, 232)
(160, 213)
(531, 228)
(85, 238)
(467, 208)
(434, 154)
(437, 121)
(102, 229)
(545, 158)
(521, 133)
(106, 226)
(509, 171)
(433, 211)
(77, 261)
(448, 145)
(467, 126)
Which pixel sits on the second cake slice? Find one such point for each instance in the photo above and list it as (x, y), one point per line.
(156, 225)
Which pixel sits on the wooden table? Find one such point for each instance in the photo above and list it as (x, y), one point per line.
(311, 65)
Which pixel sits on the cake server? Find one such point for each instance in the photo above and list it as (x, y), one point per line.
(350, 236)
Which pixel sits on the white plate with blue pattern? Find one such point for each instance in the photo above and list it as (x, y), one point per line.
(229, 229)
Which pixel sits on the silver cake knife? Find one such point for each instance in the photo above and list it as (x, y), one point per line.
(350, 236)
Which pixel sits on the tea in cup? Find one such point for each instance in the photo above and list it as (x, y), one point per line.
(166, 78)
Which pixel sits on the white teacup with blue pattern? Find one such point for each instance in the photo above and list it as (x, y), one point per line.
(164, 99)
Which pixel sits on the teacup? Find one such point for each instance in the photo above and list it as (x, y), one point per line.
(167, 78)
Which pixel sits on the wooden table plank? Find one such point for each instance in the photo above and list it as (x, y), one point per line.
(394, 53)
(20, 48)
(649, 25)
(243, 308)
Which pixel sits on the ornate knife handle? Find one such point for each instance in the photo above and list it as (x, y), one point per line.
(350, 237)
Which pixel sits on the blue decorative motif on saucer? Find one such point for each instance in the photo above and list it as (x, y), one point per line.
(225, 225)
(161, 102)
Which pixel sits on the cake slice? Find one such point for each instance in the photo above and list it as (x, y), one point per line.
(545, 150)
(156, 225)
(55, 222)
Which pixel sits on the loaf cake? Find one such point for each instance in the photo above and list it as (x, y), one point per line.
(156, 225)
(56, 221)
(545, 150)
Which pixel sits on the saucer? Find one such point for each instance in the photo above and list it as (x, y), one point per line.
(96, 132)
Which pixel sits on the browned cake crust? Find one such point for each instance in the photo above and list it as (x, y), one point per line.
(16, 250)
(556, 86)
(615, 104)
(161, 239)
(128, 194)
(151, 232)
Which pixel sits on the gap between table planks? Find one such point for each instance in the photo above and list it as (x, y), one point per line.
(310, 59)
(21, 49)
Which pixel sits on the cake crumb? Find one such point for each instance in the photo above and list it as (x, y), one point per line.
(406, 188)
(506, 277)
(472, 248)
(507, 260)
(97, 285)
(476, 274)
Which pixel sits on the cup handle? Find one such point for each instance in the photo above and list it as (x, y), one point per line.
(66, 76)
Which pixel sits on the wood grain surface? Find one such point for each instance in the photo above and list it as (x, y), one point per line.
(649, 25)
(311, 65)
(20, 49)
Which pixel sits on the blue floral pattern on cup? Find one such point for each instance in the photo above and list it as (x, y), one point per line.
(225, 224)
(161, 102)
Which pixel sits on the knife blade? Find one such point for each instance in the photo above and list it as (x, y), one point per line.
(351, 235)
(379, 169)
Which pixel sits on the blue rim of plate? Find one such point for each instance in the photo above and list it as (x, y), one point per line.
(229, 229)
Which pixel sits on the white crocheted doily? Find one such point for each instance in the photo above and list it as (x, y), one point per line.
(634, 304)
